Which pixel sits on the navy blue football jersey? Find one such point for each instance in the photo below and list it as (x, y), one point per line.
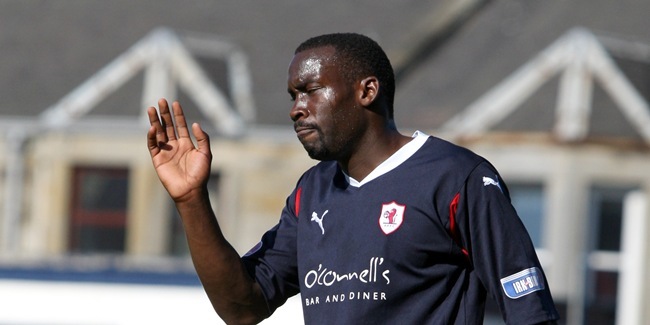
(422, 240)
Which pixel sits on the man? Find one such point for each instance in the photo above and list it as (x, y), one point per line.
(385, 229)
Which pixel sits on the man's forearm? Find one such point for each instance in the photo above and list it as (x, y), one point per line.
(235, 296)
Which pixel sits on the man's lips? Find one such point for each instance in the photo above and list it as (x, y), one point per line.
(303, 130)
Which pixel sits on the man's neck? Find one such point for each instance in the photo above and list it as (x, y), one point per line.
(371, 152)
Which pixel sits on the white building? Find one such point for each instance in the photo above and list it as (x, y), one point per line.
(562, 112)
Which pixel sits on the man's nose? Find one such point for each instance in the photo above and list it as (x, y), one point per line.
(298, 110)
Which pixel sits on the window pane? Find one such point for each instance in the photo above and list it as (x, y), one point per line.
(609, 227)
(607, 217)
(528, 200)
(601, 308)
(605, 226)
(95, 239)
(98, 210)
(103, 191)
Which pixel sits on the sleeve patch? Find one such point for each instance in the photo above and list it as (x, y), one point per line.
(523, 283)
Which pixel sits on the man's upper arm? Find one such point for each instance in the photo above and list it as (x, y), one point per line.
(501, 251)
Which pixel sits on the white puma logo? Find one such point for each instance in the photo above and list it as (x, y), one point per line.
(319, 221)
(489, 181)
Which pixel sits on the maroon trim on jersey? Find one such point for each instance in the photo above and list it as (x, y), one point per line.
(455, 235)
(297, 203)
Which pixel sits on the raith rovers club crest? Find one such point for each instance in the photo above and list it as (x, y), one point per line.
(391, 217)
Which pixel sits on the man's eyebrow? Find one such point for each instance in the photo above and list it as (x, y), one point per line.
(300, 84)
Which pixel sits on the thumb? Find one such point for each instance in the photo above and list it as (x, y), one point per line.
(202, 139)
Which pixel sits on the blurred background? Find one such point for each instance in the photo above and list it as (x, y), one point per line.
(554, 93)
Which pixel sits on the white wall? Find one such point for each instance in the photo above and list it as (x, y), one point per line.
(68, 303)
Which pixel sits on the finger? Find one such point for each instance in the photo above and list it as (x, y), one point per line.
(156, 122)
(181, 123)
(160, 136)
(202, 139)
(167, 122)
(153, 117)
(152, 142)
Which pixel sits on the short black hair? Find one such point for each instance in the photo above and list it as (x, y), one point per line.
(360, 57)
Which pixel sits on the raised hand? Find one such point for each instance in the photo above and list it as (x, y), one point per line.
(182, 168)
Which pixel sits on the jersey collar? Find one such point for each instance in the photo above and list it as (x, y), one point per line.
(400, 156)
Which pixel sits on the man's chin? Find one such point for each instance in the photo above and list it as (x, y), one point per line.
(318, 153)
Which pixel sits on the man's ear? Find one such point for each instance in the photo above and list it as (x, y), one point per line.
(369, 90)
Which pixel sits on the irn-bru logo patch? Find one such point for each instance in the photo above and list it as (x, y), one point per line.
(522, 283)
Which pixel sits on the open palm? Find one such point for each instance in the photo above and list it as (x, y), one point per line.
(182, 168)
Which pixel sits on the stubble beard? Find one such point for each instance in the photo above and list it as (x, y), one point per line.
(318, 151)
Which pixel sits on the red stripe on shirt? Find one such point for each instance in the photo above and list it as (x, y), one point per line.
(453, 228)
(297, 202)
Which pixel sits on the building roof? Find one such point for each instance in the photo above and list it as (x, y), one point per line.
(501, 39)
(49, 48)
